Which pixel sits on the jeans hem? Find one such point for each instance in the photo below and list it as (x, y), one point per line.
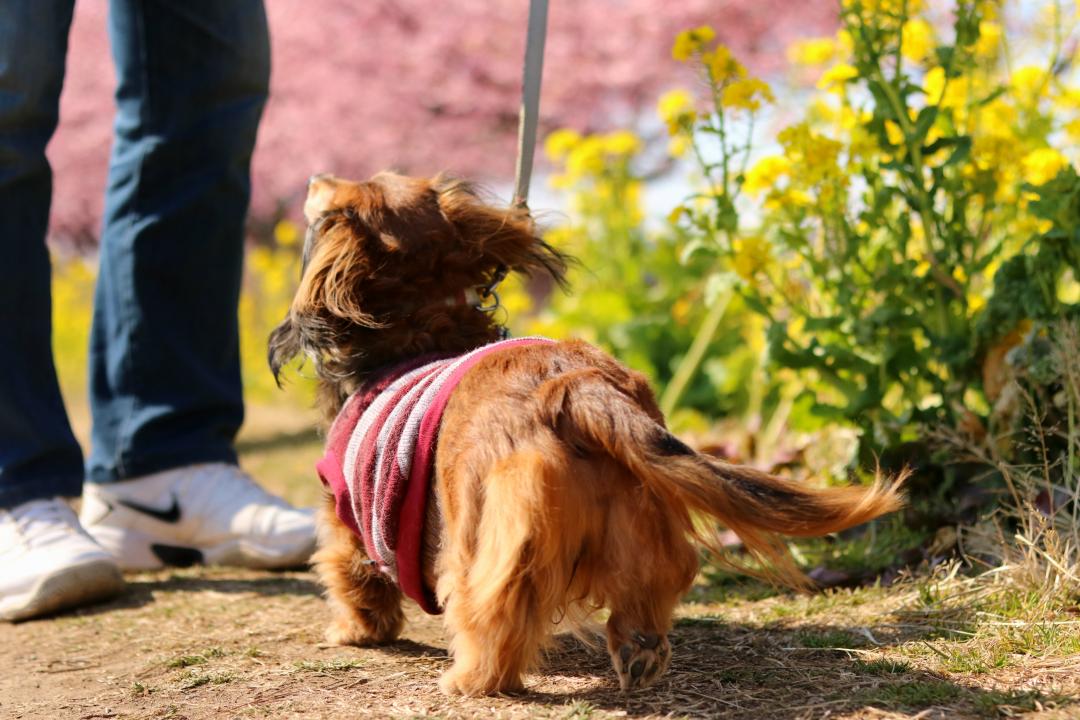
(135, 469)
(14, 493)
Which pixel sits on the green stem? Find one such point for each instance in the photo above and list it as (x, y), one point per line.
(690, 363)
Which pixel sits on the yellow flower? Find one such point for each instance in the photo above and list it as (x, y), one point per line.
(622, 143)
(559, 143)
(752, 255)
(1073, 130)
(676, 108)
(918, 40)
(680, 311)
(1042, 165)
(813, 51)
(722, 65)
(921, 269)
(746, 94)
(845, 44)
(587, 158)
(1028, 82)
(765, 172)
(678, 145)
(895, 134)
(691, 41)
(813, 156)
(286, 233)
(790, 198)
(820, 111)
(934, 85)
(883, 12)
(837, 76)
(989, 39)
(1068, 289)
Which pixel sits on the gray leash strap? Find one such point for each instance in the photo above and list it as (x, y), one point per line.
(530, 99)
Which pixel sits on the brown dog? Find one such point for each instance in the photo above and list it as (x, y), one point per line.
(557, 490)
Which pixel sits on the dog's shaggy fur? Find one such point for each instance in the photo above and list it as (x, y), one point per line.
(557, 488)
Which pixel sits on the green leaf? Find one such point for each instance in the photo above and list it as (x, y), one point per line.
(695, 246)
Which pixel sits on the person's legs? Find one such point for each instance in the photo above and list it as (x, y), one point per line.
(39, 457)
(165, 377)
(165, 372)
(48, 562)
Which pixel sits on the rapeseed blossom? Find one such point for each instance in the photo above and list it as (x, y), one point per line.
(676, 109)
(812, 51)
(746, 94)
(689, 42)
(1042, 165)
(917, 40)
(559, 144)
(721, 65)
(765, 173)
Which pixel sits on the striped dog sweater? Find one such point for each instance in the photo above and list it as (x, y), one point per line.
(380, 458)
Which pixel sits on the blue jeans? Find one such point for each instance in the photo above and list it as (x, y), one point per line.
(165, 385)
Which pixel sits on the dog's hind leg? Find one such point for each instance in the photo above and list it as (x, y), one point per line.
(502, 577)
(648, 568)
(366, 605)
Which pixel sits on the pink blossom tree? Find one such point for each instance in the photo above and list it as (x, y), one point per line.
(359, 86)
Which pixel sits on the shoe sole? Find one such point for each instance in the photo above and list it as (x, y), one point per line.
(69, 588)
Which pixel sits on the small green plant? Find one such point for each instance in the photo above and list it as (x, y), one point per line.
(184, 661)
(579, 710)
(190, 679)
(914, 695)
(138, 689)
(882, 667)
(326, 666)
(830, 640)
(997, 703)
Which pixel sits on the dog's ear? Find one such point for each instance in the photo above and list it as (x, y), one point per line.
(283, 346)
(507, 237)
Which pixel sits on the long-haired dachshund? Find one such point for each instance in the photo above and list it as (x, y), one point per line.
(554, 489)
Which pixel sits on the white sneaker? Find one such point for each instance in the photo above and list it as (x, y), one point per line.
(49, 563)
(212, 514)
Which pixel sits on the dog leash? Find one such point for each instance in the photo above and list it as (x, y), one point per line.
(528, 122)
(529, 116)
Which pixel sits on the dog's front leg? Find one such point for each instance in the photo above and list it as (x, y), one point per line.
(365, 603)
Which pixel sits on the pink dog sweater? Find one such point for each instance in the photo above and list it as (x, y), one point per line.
(380, 457)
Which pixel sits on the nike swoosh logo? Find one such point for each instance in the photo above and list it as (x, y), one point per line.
(169, 515)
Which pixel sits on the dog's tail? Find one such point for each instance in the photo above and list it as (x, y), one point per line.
(757, 506)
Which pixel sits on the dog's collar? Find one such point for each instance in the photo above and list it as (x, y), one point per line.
(484, 298)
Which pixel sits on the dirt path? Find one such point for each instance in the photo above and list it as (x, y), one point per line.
(225, 643)
(222, 643)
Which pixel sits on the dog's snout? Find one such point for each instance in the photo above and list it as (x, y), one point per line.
(319, 177)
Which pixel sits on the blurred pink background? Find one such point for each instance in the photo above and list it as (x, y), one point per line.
(361, 86)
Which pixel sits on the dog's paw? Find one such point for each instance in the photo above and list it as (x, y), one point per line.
(456, 681)
(641, 659)
(347, 632)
